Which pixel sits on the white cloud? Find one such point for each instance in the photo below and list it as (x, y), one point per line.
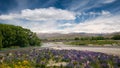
(108, 1)
(105, 13)
(67, 25)
(105, 23)
(42, 27)
(6, 17)
(41, 14)
(84, 5)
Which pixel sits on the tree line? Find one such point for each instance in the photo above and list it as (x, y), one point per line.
(114, 37)
(11, 35)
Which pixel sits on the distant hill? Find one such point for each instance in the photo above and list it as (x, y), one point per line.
(73, 35)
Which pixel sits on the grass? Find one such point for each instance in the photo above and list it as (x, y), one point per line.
(93, 42)
(18, 48)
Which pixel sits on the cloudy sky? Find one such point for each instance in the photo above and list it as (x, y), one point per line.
(62, 16)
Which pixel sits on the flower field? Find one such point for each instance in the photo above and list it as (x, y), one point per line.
(51, 58)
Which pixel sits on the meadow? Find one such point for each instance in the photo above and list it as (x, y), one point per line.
(52, 58)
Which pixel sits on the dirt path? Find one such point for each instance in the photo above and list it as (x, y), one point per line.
(106, 49)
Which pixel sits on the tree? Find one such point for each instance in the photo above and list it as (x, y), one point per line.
(76, 38)
(0, 40)
(98, 38)
(17, 36)
(116, 37)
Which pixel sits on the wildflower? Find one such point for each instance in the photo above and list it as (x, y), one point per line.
(25, 62)
(19, 62)
(1, 59)
(9, 54)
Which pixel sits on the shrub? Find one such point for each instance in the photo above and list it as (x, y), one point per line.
(116, 37)
(11, 35)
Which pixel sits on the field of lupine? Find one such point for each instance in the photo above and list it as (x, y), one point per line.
(51, 58)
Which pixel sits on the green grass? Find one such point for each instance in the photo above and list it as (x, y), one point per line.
(18, 48)
(93, 42)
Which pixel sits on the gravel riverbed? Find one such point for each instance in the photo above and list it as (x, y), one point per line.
(114, 50)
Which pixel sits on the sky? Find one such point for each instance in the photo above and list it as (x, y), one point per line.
(62, 16)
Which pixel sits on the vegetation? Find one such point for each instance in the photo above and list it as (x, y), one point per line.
(17, 36)
(76, 38)
(94, 42)
(93, 38)
(0, 40)
(99, 40)
(52, 58)
(116, 37)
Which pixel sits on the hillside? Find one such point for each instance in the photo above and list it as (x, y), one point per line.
(73, 35)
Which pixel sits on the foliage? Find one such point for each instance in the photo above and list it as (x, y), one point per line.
(93, 38)
(11, 35)
(0, 40)
(77, 38)
(116, 37)
(98, 38)
(85, 38)
(94, 42)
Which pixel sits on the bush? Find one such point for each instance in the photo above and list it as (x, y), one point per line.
(0, 40)
(116, 37)
(98, 38)
(76, 38)
(11, 35)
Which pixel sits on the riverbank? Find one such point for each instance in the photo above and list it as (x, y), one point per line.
(59, 55)
(114, 50)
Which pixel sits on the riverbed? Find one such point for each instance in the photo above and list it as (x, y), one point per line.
(114, 50)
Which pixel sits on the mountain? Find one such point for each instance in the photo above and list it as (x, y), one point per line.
(69, 35)
(73, 35)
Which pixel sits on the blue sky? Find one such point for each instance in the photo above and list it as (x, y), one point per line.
(62, 16)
